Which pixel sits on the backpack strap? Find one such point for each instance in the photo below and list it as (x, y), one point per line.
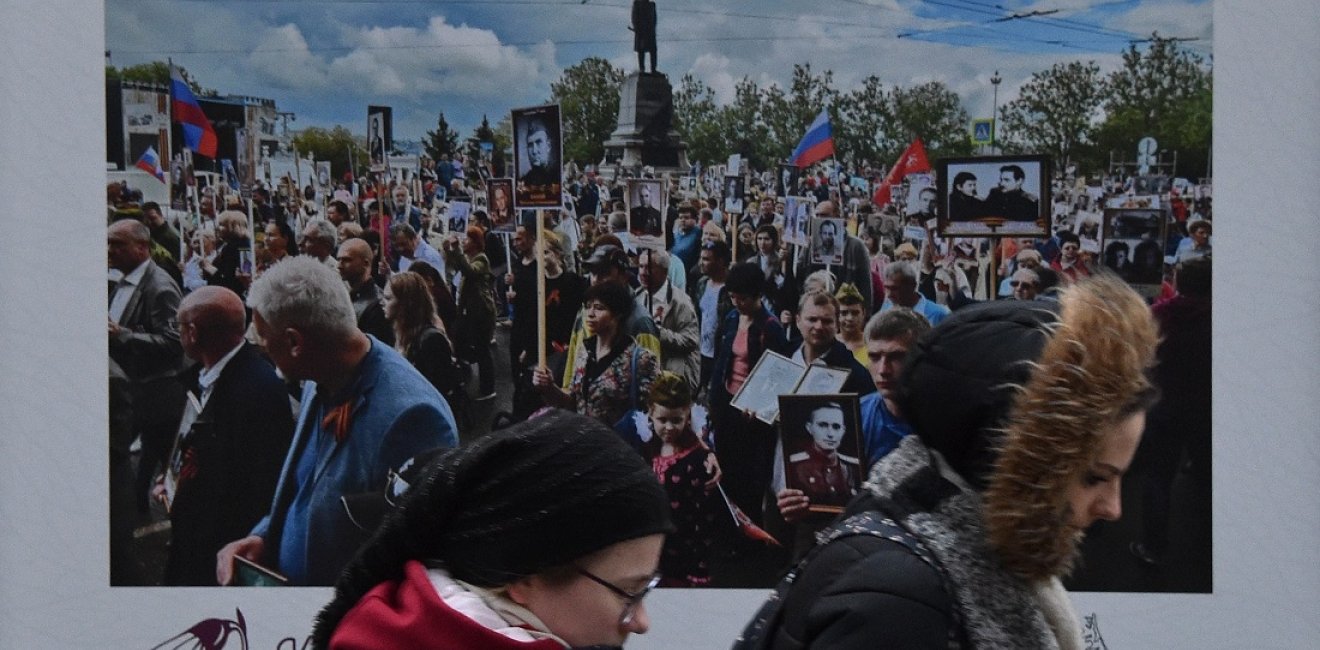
(759, 633)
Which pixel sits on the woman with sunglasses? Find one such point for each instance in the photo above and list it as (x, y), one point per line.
(542, 536)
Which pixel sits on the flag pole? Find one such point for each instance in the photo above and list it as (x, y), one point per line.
(540, 290)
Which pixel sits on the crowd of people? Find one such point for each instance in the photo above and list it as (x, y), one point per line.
(304, 359)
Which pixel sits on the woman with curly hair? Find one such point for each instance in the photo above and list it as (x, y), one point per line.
(1026, 415)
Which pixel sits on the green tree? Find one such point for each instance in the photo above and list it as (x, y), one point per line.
(787, 114)
(1056, 113)
(697, 120)
(932, 112)
(741, 124)
(1165, 92)
(485, 133)
(336, 145)
(588, 98)
(863, 125)
(156, 72)
(443, 141)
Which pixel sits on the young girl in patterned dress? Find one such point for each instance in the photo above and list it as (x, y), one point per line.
(685, 467)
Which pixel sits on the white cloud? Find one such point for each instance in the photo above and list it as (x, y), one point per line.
(1169, 19)
(283, 59)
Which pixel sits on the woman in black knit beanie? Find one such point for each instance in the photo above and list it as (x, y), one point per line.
(541, 536)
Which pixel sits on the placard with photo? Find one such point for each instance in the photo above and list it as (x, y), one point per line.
(537, 150)
(1133, 246)
(499, 204)
(646, 213)
(797, 218)
(821, 436)
(828, 239)
(735, 189)
(457, 216)
(992, 196)
(786, 182)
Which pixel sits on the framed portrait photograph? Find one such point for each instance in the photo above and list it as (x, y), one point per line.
(458, 215)
(1132, 245)
(735, 191)
(378, 136)
(537, 149)
(821, 435)
(787, 181)
(1000, 195)
(921, 195)
(797, 218)
(827, 240)
(646, 212)
(499, 204)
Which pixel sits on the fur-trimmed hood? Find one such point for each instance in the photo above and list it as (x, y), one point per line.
(1015, 396)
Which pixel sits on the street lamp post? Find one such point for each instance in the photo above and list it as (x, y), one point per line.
(994, 114)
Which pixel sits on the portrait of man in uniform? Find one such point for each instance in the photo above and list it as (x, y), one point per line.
(820, 438)
(536, 157)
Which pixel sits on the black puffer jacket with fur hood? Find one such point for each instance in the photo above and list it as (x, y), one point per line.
(1005, 399)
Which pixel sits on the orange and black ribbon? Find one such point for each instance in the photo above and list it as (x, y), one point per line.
(337, 420)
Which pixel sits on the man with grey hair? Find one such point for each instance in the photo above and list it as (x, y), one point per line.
(365, 411)
(675, 317)
(1025, 283)
(318, 240)
(402, 210)
(144, 342)
(409, 247)
(901, 291)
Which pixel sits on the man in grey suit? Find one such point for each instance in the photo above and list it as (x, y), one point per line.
(144, 341)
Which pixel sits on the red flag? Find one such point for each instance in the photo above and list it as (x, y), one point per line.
(744, 523)
(913, 161)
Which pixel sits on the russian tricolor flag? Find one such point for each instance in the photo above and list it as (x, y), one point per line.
(150, 163)
(198, 134)
(817, 144)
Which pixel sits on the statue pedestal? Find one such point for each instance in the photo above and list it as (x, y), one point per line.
(645, 135)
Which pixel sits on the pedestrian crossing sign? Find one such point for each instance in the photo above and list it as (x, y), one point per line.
(981, 130)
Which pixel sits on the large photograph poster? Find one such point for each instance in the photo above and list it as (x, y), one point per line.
(77, 610)
(537, 147)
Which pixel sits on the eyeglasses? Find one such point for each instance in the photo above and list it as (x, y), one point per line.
(1018, 283)
(631, 600)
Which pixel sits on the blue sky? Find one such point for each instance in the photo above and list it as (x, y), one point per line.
(327, 60)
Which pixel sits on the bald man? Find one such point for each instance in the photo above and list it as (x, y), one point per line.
(229, 461)
(355, 268)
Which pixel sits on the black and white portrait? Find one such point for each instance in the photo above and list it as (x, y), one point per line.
(822, 448)
(827, 241)
(536, 157)
(646, 210)
(1133, 245)
(1006, 195)
(734, 191)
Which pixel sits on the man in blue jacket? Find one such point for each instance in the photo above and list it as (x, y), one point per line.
(365, 411)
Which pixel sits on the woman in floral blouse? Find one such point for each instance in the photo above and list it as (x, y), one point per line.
(603, 387)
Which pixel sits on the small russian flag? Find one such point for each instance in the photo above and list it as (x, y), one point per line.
(817, 144)
(150, 163)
